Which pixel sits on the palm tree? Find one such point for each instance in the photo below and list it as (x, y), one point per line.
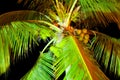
(45, 45)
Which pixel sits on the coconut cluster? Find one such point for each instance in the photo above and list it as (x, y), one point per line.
(82, 35)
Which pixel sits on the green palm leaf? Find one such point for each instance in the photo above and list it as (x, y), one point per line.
(37, 5)
(15, 37)
(64, 14)
(42, 70)
(100, 11)
(19, 15)
(4, 52)
(75, 61)
(107, 53)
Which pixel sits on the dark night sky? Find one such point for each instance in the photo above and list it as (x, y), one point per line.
(8, 5)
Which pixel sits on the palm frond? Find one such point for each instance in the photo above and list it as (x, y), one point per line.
(42, 70)
(15, 37)
(107, 53)
(76, 63)
(20, 32)
(100, 11)
(76, 14)
(37, 5)
(19, 15)
(4, 52)
(64, 14)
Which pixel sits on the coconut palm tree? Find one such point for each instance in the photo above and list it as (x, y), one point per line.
(43, 46)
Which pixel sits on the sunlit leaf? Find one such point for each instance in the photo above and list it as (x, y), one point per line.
(75, 60)
(20, 15)
(107, 53)
(100, 11)
(42, 70)
(4, 52)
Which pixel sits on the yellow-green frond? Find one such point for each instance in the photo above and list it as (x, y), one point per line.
(42, 70)
(4, 52)
(107, 53)
(100, 11)
(71, 58)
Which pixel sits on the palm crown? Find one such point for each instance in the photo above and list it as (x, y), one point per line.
(57, 46)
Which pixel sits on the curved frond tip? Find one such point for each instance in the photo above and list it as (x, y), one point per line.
(107, 53)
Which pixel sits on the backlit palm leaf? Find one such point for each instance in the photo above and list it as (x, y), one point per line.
(64, 14)
(10, 38)
(20, 15)
(77, 63)
(16, 37)
(42, 70)
(107, 53)
(37, 5)
(4, 52)
(101, 11)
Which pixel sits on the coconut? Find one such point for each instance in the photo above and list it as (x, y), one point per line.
(84, 31)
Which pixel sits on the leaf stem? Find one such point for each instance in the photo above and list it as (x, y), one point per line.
(47, 23)
(47, 45)
(69, 15)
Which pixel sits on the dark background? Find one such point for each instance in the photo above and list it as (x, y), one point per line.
(9, 5)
